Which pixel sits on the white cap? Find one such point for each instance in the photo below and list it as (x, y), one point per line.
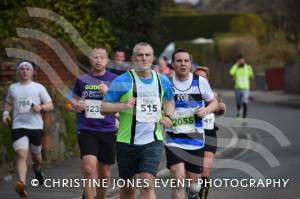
(25, 63)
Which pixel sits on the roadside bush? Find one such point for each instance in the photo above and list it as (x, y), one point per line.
(279, 51)
(68, 118)
(177, 11)
(248, 24)
(70, 137)
(183, 28)
(228, 47)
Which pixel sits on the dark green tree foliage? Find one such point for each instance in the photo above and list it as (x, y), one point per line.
(77, 12)
(132, 21)
(248, 24)
(292, 22)
(183, 28)
(7, 19)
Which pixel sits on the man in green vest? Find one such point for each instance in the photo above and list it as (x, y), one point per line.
(139, 96)
(242, 73)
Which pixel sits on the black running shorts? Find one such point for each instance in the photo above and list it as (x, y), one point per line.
(102, 145)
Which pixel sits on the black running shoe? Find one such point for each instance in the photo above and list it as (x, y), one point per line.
(39, 175)
(203, 193)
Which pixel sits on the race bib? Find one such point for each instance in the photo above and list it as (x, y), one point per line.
(92, 109)
(209, 121)
(148, 109)
(183, 121)
(243, 80)
(24, 104)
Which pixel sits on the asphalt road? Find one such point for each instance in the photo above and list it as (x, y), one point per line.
(288, 161)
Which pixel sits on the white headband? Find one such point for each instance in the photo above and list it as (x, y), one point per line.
(25, 63)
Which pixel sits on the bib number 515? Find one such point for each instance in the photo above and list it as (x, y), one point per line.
(149, 108)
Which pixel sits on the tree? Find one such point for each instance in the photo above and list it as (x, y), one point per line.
(132, 21)
(8, 17)
(248, 24)
(292, 21)
(94, 31)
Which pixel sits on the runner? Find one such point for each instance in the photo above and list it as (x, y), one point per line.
(139, 96)
(118, 66)
(163, 68)
(185, 141)
(210, 130)
(27, 99)
(96, 132)
(242, 73)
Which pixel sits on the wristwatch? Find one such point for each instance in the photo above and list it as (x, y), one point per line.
(168, 116)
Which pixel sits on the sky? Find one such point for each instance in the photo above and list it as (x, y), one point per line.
(191, 1)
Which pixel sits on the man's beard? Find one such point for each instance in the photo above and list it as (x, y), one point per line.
(142, 68)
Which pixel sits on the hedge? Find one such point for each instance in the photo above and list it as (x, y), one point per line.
(183, 28)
